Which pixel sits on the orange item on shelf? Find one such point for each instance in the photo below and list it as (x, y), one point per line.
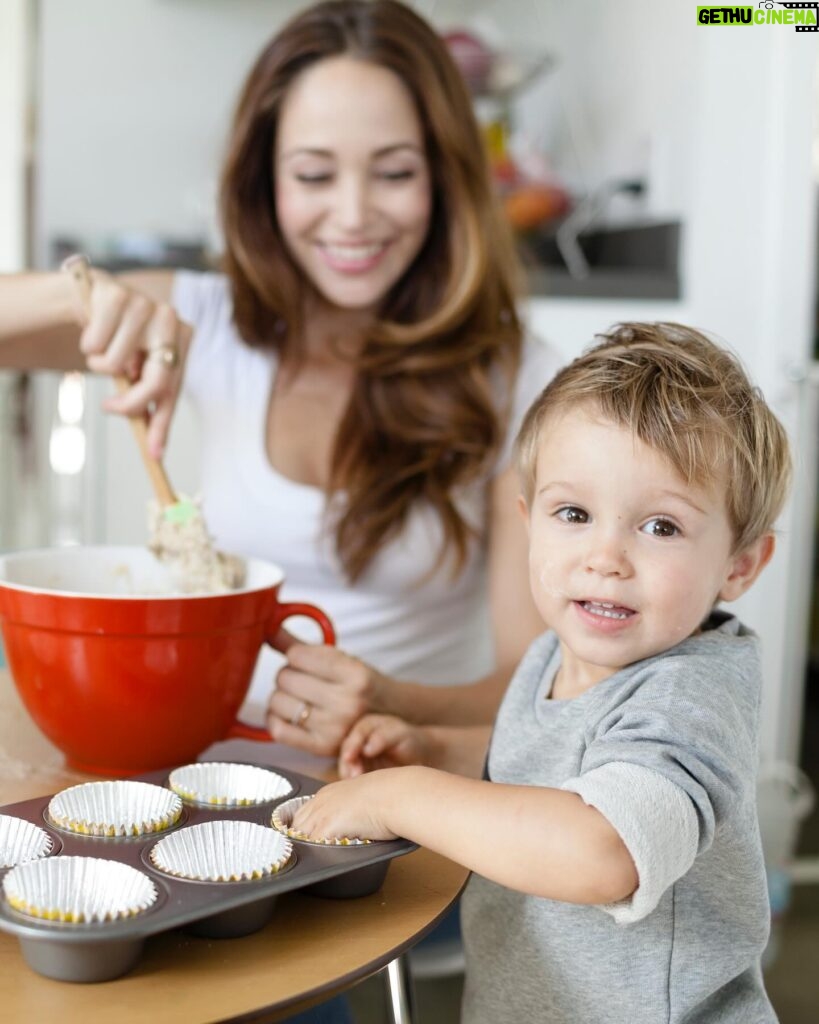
(530, 206)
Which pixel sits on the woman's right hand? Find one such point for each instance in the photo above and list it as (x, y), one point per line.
(126, 332)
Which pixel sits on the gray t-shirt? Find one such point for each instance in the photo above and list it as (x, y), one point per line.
(666, 749)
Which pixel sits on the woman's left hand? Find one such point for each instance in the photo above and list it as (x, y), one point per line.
(353, 809)
(320, 694)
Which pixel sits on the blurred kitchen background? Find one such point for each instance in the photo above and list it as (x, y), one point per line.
(651, 167)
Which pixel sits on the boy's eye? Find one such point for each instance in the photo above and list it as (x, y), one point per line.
(572, 514)
(659, 527)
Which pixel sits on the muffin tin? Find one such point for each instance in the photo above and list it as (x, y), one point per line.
(101, 950)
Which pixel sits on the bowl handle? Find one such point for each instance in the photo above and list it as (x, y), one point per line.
(240, 730)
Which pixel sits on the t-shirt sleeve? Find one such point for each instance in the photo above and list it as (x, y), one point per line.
(539, 363)
(674, 761)
(655, 819)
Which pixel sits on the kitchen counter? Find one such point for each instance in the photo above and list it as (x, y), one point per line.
(626, 262)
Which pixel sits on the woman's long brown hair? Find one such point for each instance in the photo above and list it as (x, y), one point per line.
(424, 417)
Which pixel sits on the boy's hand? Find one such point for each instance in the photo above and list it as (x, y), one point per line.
(383, 741)
(353, 809)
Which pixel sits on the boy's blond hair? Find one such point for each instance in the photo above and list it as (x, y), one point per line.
(689, 400)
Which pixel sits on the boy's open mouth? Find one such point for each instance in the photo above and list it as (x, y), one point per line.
(606, 610)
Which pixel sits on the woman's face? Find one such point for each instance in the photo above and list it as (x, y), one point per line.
(353, 193)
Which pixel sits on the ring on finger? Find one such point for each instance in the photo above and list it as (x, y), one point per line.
(168, 355)
(301, 714)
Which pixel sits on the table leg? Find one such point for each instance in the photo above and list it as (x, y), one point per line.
(400, 1002)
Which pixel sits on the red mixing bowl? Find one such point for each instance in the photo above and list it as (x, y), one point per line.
(124, 675)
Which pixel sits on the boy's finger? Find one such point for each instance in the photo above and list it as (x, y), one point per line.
(355, 739)
(351, 768)
(377, 742)
(387, 732)
(350, 750)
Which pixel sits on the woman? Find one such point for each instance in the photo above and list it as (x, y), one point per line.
(358, 368)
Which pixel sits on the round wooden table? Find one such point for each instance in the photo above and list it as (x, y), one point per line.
(312, 948)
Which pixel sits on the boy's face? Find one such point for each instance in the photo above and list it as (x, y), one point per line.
(625, 558)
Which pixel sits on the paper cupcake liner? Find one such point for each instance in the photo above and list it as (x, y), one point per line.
(222, 851)
(119, 808)
(283, 816)
(20, 841)
(78, 889)
(228, 785)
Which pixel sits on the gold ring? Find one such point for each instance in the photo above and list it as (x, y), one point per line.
(168, 355)
(301, 714)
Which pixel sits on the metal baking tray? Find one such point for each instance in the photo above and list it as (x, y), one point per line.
(101, 951)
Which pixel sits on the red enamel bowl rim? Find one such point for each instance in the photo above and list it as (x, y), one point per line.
(271, 574)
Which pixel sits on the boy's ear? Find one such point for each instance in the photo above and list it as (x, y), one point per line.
(746, 566)
(523, 508)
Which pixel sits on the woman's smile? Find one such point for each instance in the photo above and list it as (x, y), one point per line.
(349, 258)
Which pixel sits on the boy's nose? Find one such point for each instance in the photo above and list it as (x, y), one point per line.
(608, 556)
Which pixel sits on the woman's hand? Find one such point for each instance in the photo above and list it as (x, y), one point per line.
(384, 741)
(356, 809)
(320, 694)
(128, 333)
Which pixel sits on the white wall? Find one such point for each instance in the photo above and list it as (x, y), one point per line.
(135, 97)
(14, 111)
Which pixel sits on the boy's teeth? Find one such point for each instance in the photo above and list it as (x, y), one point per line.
(605, 609)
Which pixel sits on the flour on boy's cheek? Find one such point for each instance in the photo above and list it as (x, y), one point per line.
(544, 572)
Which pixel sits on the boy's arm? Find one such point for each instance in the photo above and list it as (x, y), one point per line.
(546, 842)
